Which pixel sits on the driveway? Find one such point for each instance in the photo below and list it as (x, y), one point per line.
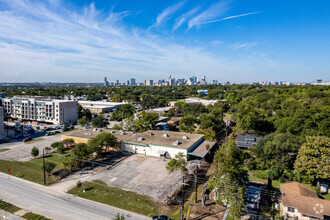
(143, 175)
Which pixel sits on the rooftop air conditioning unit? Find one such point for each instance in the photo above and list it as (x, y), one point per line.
(176, 142)
(122, 133)
(112, 131)
(165, 135)
(185, 137)
(140, 139)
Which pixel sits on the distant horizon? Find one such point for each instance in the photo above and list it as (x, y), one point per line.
(155, 81)
(237, 40)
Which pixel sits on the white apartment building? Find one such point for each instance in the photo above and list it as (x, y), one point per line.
(2, 126)
(41, 110)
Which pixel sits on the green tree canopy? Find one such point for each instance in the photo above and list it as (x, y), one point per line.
(80, 150)
(313, 157)
(35, 152)
(229, 177)
(99, 122)
(102, 142)
(278, 150)
(83, 121)
(146, 121)
(177, 163)
(187, 124)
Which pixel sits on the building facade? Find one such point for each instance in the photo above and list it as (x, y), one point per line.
(41, 110)
(152, 143)
(2, 125)
(98, 107)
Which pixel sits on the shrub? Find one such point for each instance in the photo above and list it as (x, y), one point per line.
(79, 184)
(60, 149)
(274, 173)
(55, 144)
(116, 127)
(68, 140)
(35, 152)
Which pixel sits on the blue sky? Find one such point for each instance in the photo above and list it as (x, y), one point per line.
(227, 40)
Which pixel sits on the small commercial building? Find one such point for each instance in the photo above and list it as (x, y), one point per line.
(153, 143)
(100, 107)
(300, 202)
(204, 102)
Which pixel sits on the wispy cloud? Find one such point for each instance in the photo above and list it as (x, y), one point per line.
(245, 45)
(164, 15)
(180, 20)
(211, 13)
(48, 42)
(234, 16)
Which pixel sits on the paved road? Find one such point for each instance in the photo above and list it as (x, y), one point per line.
(56, 205)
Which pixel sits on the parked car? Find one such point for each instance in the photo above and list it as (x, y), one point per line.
(162, 217)
(49, 133)
(27, 139)
(19, 136)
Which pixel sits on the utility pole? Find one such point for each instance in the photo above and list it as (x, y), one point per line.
(273, 213)
(43, 161)
(196, 184)
(182, 215)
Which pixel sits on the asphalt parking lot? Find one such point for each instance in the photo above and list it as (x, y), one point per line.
(143, 175)
(20, 151)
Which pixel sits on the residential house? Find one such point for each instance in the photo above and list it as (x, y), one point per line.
(245, 141)
(301, 202)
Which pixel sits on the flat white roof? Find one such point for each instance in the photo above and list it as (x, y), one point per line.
(98, 106)
(101, 103)
(160, 109)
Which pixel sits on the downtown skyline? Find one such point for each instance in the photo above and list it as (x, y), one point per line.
(236, 41)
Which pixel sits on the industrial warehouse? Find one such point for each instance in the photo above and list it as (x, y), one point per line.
(153, 143)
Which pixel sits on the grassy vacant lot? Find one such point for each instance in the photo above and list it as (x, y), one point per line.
(33, 216)
(260, 176)
(32, 170)
(8, 207)
(4, 149)
(98, 191)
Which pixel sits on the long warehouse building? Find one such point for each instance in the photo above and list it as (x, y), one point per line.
(152, 143)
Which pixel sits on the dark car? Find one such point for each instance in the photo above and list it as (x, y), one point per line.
(162, 217)
(19, 136)
(27, 139)
(49, 133)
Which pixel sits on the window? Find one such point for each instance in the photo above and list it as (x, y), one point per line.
(290, 209)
